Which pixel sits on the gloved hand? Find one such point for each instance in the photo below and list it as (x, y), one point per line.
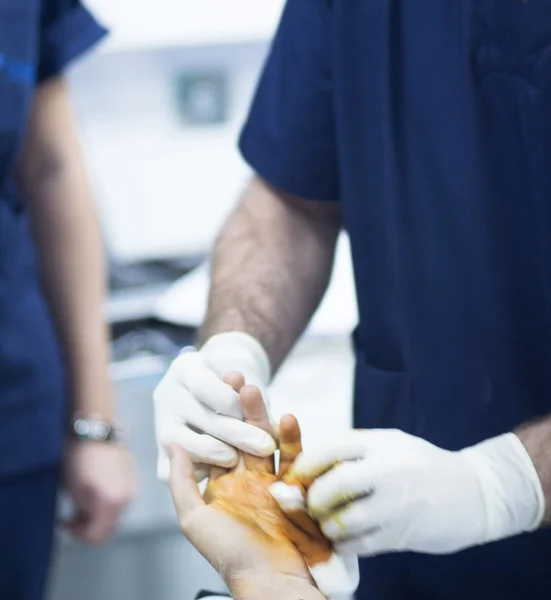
(197, 410)
(380, 491)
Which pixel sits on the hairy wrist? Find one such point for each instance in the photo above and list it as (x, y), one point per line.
(536, 438)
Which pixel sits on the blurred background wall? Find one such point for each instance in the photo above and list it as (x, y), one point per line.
(160, 105)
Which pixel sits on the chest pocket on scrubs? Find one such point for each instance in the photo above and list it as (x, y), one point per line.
(18, 25)
(511, 36)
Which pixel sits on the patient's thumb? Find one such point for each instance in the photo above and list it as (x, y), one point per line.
(183, 486)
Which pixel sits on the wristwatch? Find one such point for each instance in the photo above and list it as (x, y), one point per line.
(95, 429)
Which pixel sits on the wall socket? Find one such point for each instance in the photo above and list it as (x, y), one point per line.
(202, 97)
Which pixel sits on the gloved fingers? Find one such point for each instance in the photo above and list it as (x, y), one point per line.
(369, 526)
(351, 521)
(314, 462)
(290, 444)
(183, 486)
(247, 438)
(201, 447)
(372, 543)
(339, 486)
(254, 409)
(192, 372)
(255, 414)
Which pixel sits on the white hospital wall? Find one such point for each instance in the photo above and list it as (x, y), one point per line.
(163, 188)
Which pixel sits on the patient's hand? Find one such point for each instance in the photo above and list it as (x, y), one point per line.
(238, 526)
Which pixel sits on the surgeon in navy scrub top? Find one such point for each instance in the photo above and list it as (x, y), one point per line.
(423, 128)
(57, 421)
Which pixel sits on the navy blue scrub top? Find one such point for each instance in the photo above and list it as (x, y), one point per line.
(430, 122)
(38, 38)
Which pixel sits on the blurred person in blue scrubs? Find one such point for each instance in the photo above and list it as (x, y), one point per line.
(53, 339)
(424, 130)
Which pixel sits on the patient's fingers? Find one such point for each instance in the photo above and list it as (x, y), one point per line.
(254, 409)
(275, 435)
(290, 445)
(255, 413)
(289, 491)
(183, 487)
(236, 380)
(216, 472)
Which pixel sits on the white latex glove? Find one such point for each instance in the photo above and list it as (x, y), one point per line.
(197, 410)
(382, 491)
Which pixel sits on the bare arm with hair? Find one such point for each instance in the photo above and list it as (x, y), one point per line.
(271, 266)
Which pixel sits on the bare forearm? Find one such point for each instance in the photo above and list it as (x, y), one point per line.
(270, 268)
(72, 272)
(536, 438)
(69, 249)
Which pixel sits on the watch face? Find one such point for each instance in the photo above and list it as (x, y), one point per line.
(92, 429)
(100, 429)
(81, 427)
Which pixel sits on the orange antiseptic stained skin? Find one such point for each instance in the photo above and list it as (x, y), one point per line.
(244, 492)
(291, 479)
(246, 496)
